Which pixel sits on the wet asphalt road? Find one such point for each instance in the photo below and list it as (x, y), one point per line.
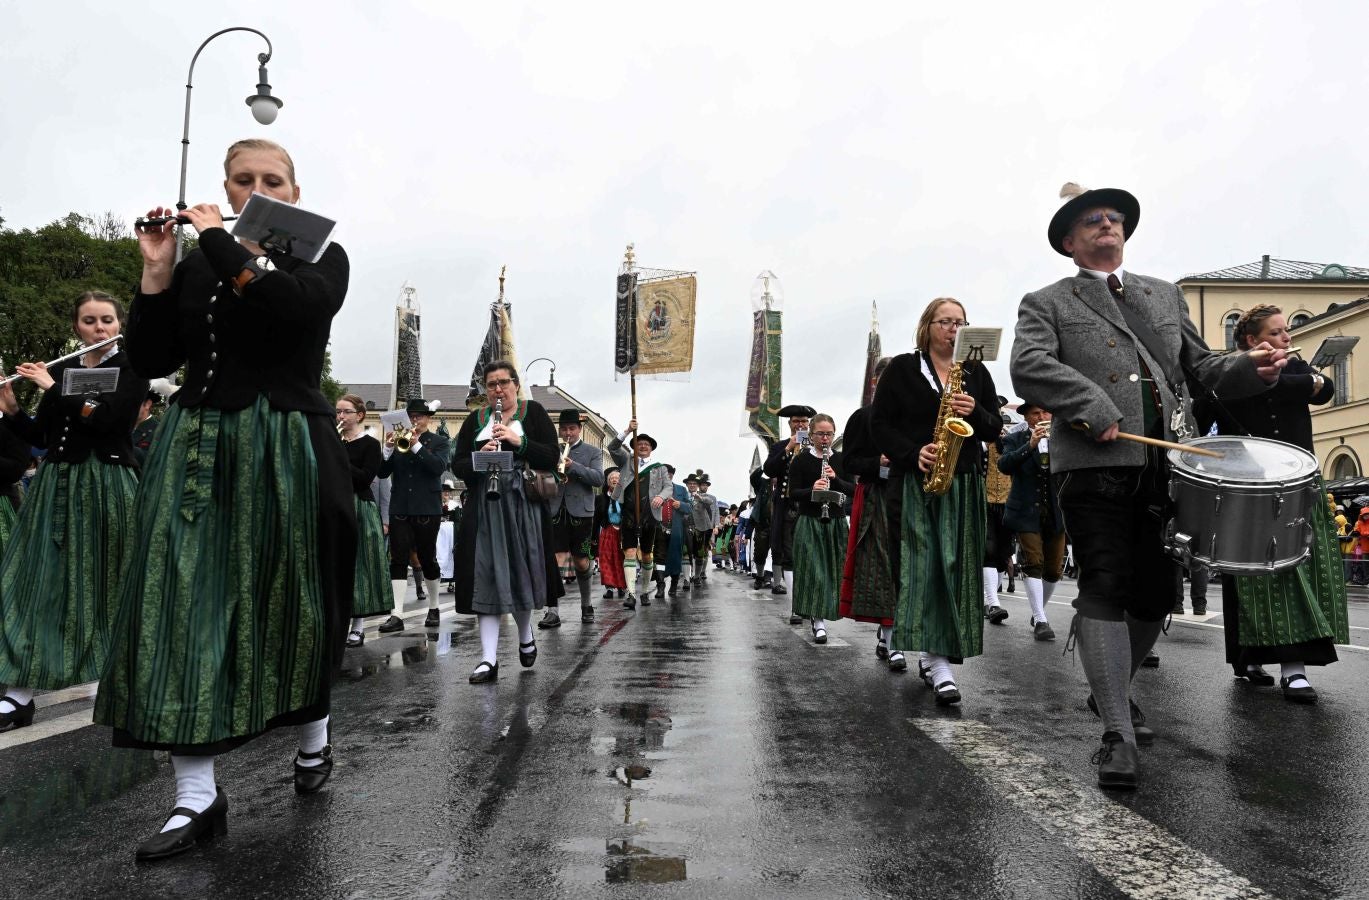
(704, 748)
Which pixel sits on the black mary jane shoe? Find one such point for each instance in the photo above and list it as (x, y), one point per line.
(308, 779)
(948, 697)
(19, 717)
(897, 662)
(485, 672)
(527, 657)
(819, 635)
(1257, 675)
(211, 823)
(356, 638)
(1304, 694)
(881, 648)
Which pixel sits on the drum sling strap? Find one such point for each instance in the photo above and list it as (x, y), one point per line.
(1148, 338)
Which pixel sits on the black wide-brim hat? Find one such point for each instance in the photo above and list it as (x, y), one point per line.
(645, 437)
(797, 409)
(1081, 201)
(1027, 405)
(610, 470)
(569, 417)
(691, 478)
(417, 406)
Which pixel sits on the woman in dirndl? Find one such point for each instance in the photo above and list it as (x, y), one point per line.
(869, 582)
(238, 589)
(14, 461)
(940, 600)
(504, 561)
(1294, 618)
(59, 575)
(820, 532)
(608, 516)
(371, 593)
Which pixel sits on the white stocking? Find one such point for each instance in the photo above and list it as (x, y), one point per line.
(1036, 597)
(489, 637)
(990, 586)
(194, 786)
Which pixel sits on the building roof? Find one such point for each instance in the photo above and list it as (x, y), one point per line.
(1335, 310)
(1270, 269)
(377, 396)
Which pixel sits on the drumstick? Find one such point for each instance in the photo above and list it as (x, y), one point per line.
(1170, 445)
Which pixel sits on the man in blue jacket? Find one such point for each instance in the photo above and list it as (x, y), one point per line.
(1033, 512)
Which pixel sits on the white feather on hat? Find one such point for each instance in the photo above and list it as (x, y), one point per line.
(1070, 190)
(164, 387)
(434, 405)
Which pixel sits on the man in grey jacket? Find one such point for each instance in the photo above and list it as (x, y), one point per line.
(1108, 352)
(642, 497)
(572, 512)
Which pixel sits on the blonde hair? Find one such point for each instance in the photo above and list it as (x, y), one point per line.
(259, 144)
(924, 324)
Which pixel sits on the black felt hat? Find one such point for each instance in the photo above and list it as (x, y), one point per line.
(645, 437)
(797, 409)
(693, 477)
(417, 406)
(1026, 405)
(1078, 201)
(610, 470)
(569, 417)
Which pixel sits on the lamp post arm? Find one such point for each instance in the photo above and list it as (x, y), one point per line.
(262, 58)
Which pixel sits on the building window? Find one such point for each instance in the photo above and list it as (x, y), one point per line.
(1340, 374)
(1343, 467)
(1299, 319)
(1229, 326)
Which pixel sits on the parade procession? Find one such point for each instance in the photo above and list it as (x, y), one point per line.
(971, 559)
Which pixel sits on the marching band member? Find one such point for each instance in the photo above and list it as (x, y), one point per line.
(371, 594)
(234, 606)
(776, 467)
(761, 514)
(643, 496)
(942, 541)
(820, 531)
(60, 571)
(869, 583)
(704, 523)
(670, 540)
(415, 508)
(1034, 514)
(14, 461)
(572, 512)
(1293, 618)
(1105, 350)
(998, 537)
(504, 564)
(608, 515)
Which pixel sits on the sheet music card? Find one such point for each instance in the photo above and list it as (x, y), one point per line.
(986, 339)
(84, 382)
(276, 225)
(492, 460)
(395, 418)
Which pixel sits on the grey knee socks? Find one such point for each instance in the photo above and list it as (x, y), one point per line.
(1105, 650)
(1143, 636)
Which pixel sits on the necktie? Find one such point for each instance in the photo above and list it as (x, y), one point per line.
(1115, 285)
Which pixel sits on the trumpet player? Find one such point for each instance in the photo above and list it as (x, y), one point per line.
(941, 534)
(414, 460)
(776, 468)
(580, 471)
(1034, 513)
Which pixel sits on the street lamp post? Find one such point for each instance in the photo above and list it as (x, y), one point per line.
(552, 377)
(264, 108)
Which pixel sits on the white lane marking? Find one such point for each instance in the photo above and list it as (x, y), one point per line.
(66, 695)
(41, 729)
(1140, 858)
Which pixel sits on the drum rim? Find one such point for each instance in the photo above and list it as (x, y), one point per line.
(1180, 466)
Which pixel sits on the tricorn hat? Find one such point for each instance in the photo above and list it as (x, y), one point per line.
(417, 406)
(643, 436)
(569, 417)
(1078, 201)
(797, 409)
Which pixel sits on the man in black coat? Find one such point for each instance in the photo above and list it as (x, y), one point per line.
(1033, 512)
(783, 518)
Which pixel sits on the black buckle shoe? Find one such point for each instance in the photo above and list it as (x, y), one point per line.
(485, 672)
(897, 662)
(356, 638)
(552, 619)
(819, 635)
(211, 823)
(308, 779)
(1305, 694)
(947, 697)
(21, 716)
(527, 657)
(391, 625)
(1257, 675)
(433, 619)
(1118, 763)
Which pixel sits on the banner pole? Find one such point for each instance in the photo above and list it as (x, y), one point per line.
(636, 461)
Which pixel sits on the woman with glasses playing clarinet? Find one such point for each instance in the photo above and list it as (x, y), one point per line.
(820, 532)
(942, 535)
(371, 594)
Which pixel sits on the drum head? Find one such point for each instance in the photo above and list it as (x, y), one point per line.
(1248, 459)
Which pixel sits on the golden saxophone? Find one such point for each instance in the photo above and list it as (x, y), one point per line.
(949, 434)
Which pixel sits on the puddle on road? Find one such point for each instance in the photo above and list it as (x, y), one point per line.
(412, 655)
(72, 791)
(639, 862)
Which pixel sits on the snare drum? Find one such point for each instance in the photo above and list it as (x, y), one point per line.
(1248, 513)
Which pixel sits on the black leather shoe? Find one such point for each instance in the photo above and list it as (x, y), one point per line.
(630, 602)
(433, 619)
(587, 615)
(996, 615)
(1304, 694)
(1117, 762)
(778, 588)
(897, 663)
(1178, 608)
(881, 648)
(757, 583)
(796, 620)
(22, 715)
(946, 693)
(211, 823)
(356, 638)
(1200, 609)
(391, 625)
(309, 779)
(674, 587)
(1152, 661)
(485, 672)
(1144, 734)
(527, 657)
(552, 619)
(924, 672)
(608, 594)
(1042, 631)
(819, 635)
(1257, 675)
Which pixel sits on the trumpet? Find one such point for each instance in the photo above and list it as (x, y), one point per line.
(492, 486)
(564, 459)
(404, 439)
(72, 355)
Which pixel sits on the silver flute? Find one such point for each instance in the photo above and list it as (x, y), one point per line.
(72, 355)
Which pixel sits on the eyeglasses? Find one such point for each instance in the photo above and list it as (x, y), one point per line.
(349, 412)
(824, 434)
(1096, 218)
(501, 383)
(948, 324)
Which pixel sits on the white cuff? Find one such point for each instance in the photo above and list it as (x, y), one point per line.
(386, 450)
(413, 448)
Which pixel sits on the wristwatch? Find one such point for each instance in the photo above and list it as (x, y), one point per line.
(254, 269)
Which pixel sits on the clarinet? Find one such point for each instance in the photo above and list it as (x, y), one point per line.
(492, 488)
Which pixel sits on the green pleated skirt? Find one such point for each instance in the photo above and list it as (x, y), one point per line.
(819, 558)
(59, 576)
(941, 588)
(8, 518)
(221, 631)
(372, 595)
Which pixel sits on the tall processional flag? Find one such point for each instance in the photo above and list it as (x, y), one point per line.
(655, 315)
(873, 352)
(498, 344)
(762, 403)
(625, 327)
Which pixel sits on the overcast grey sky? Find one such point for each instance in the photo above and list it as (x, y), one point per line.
(860, 151)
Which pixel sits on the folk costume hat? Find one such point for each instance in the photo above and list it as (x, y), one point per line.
(569, 417)
(645, 437)
(1026, 405)
(610, 470)
(797, 409)
(417, 406)
(1079, 201)
(693, 477)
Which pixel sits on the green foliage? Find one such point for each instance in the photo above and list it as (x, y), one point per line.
(332, 388)
(43, 271)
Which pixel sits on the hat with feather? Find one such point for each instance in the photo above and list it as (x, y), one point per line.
(1079, 201)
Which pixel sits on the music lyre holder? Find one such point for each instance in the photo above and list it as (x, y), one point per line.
(492, 460)
(1333, 350)
(89, 382)
(827, 498)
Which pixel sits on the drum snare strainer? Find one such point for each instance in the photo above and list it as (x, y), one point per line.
(1248, 513)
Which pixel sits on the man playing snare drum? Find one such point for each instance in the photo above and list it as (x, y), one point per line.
(1107, 351)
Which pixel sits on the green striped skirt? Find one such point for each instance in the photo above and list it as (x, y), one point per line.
(941, 588)
(59, 577)
(7, 519)
(221, 627)
(372, 594)
(819, 558)
(1302, 604)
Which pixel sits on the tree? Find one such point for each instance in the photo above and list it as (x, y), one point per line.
(332, 388)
